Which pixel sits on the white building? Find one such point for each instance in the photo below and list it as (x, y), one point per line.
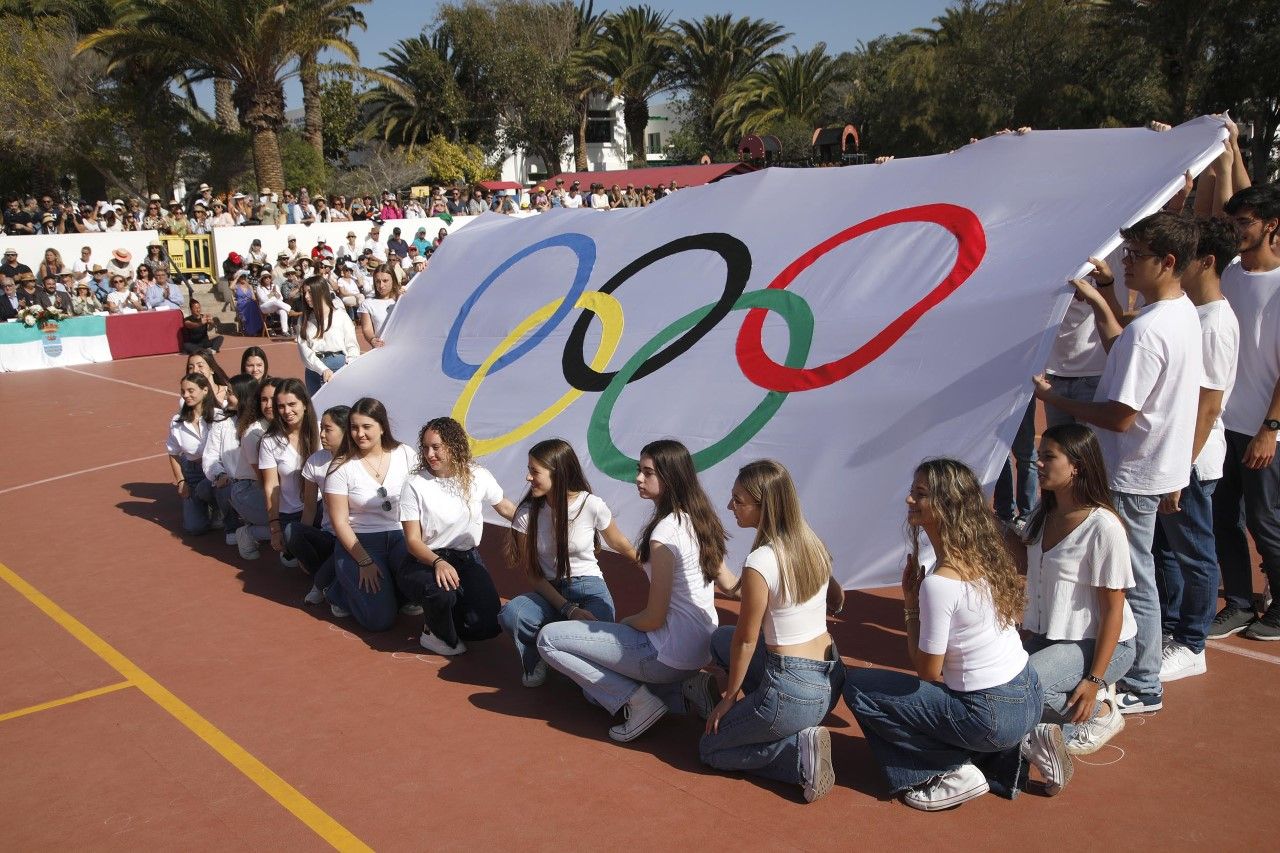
(606, 143)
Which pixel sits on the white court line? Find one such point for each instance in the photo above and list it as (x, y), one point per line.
(1244, 653)
(82, 471)
(263, 342)
(169, 393)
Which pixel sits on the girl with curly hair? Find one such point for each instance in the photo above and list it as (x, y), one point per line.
(440, 510)
(942, 744)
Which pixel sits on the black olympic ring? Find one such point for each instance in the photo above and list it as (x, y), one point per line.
(737, 261)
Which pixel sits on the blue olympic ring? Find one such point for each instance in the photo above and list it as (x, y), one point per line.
(580, 244)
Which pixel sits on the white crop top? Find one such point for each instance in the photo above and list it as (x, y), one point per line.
(958, 620)
(787, 623)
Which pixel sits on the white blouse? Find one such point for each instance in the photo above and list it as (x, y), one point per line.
(339, 337)
(186, 438)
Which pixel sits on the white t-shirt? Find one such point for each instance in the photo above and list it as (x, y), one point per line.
(684, 640)
(186, 438)
(275, 451)
(221, 449)
(1062, 585)
(379, 310)
(787, 623)
(958, 620)
(1255, 299)
(587, 514)
(573, 201)
(1219, 344)
(1154, 368)
(364, 504)
(1077, 350)
(249, 444)
(437, 504)
(315, 470)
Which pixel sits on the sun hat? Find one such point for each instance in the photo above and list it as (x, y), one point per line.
(124, 256)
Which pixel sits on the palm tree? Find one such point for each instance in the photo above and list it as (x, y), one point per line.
(425, 100)
(582, 79)
(716, 52)
(634, 55)
(786, 88)
(250, 43)
(327, 24)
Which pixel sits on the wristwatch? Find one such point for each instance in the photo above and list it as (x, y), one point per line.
(1271, 424)
(1101, 682)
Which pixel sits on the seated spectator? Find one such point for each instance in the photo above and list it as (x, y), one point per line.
(121, 264)
(157, 258)
(347, 288)
(195, 330)
(599, 198)
(122, 300)
(66, 282)
(440, 235)
(476, 205)
(9, 303)
(16, 220)
(271, 299)
(321, 250)
(397, 244)
(100, 282)
(51, 297)
(28, 292)
(81, 267)
(222, 217)
(84, 302)
(349, 250)
(12, 266)
(176, 223)
(153, 216)
(456, 204)
(162, 294)
(51, 265)
(256, 255)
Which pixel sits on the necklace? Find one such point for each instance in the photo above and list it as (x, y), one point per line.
(377, 473)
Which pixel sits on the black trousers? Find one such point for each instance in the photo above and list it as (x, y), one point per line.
(469, 612)
(214, 343)
(314, 549)
(1246, 499)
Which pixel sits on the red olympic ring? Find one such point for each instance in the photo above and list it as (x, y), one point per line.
(762, 370)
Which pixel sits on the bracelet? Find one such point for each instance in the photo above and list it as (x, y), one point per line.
(271, 521)
(909, 613)
(1101, 682)
(568, 608)
(367, 561)
(436, 560)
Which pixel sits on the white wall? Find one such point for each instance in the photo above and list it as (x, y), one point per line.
(31, 248)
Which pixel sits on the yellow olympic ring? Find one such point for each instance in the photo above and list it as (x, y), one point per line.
(605, 306)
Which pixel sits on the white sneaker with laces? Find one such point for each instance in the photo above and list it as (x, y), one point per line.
(535, 678)
(1047, 751)
(411, 609)
(1091, 736)
(315, 596)
(339, 612)
(815, 763)
(288, 562)
(246, 544)
(1178, 661)
(432, 643)
(948, 790)
(701, 694)
(642, 710)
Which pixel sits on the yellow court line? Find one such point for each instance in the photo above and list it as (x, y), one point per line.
(278, 789)
(66, 700)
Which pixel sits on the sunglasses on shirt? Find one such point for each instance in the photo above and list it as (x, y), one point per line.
(386, 504)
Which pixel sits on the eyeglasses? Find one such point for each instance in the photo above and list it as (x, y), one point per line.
(386, 504)
(1134, 254)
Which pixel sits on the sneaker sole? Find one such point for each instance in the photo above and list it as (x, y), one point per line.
(1185, 672)
(1222, 635)
(951, 802)
(1252, 636)
(1065, 766)
(622, 736)
(820, 760)
(707, 686)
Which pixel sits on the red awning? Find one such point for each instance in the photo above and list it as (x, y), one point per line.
(494, 186)
(684, 176)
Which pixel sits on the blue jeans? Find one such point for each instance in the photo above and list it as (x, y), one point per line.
(1082, 388)
(1024, 453)
(1187, 565)
(921, 729)
(375, 611)
(1061, 665)
(250, 504)
(525, 615)
(199, 504)
(1139, 515)
(1246, 498)
(315, 381)
(784, 696)
(230, 518)
(610, 662)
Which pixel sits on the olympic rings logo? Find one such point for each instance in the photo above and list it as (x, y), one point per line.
(777, 380)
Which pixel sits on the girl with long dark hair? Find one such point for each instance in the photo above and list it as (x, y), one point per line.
(362, 500)
(554, 535)
(638, 665)
(326, 336)
(441, 511)
(311, 540)
(288, 442)
(942, 744)
(793, 679)
(253, 361)
(206, 363)
(247, 496)
(221, 457)
(187, 433)
(1080, 630)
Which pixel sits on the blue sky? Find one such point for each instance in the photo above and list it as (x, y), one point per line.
(840, 24)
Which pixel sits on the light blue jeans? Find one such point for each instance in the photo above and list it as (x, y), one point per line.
(250, 503)
(1139, 514)
(1061, 665)
(1082, 388)
(610, 662)
(784, 696)
(525, 615)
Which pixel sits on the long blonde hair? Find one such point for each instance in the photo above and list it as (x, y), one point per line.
(804, 563)
(968, 535)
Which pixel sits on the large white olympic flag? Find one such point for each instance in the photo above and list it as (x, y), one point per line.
(846, 322)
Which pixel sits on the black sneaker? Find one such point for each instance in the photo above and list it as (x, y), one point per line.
(1267, 627)
(1230, 620)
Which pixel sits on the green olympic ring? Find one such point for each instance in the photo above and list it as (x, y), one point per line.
(616, 464)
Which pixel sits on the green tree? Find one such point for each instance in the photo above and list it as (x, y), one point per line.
(635, 55)
(581, 78)
(341, 108)
(787, 89)
(324, 25)
(429, 99)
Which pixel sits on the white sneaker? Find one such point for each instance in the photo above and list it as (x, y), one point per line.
(246, 544)
(1045, 749)
(815, 763)
(535, 678)
(642, 710)
(701, 694)
(1178, 661)
(948, 790)
(338, 611)
(315, 596)
(432, 643)
(288, 562)
(411, 609)
(230, 538)
(1091, 736)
